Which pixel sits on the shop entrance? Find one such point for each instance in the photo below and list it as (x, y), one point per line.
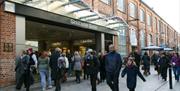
(41, 36)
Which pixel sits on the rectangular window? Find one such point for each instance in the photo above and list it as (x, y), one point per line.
(106, 1)
(133, 10)
(142, 15)
(149, 20)
(121, 5)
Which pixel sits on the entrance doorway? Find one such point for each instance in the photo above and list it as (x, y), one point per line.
(46, 36)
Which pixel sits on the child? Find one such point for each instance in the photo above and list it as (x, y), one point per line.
(132, 71)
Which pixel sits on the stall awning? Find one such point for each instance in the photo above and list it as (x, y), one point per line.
(76, 9)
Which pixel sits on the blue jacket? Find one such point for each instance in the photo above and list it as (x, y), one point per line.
(132, 73)
(113, 62)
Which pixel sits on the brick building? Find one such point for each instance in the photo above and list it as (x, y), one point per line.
(107, 23)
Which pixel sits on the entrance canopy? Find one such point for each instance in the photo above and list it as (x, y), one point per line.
(76, 9)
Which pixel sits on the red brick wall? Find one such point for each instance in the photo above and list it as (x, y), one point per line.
(7, 35)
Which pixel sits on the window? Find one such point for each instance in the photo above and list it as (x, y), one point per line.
(150, 39)
(149, 20)
(122, 42)
(142, 38)
(106, 1)
(121, 5)
(132, 10)
(142, 15)
(154, 23)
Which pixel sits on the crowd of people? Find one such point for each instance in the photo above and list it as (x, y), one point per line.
(55, 67)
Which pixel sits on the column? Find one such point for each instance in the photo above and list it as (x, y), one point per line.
(100, 42)
(20, 33)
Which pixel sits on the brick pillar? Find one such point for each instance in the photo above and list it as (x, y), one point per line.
(7, 37)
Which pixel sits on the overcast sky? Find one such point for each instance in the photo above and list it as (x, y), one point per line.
(169, 10)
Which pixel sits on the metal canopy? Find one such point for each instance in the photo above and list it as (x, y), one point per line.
(77, 9)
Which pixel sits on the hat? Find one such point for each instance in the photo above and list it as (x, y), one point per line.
(30, 49)
(90, 50)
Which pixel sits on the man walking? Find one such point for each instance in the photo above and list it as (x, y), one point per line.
(113, 64)
(92, 68)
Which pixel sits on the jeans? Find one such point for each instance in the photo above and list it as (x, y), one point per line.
(45, 74)
(93, 78)
(178, 73)
(70, 69)
(175, 72)
(78, 73)
(113, 81)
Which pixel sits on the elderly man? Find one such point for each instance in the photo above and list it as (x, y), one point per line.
(113, 65)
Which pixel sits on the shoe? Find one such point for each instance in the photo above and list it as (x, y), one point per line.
(44, 89)
(49, 87)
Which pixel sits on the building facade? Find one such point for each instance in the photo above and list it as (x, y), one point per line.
(128, 24)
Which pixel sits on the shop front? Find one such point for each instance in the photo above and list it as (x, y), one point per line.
(32, 24)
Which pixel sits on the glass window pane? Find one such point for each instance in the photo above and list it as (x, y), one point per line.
(132, 10)
(106, 1)
(121, 5)
(142, 14)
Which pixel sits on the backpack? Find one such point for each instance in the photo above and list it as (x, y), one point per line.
(61, 64)
(89, 61)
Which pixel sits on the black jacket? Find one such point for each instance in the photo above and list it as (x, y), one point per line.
(92, 64)
(132, 73)
(113, 62)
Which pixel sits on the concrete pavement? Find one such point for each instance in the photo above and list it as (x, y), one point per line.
(153, 83)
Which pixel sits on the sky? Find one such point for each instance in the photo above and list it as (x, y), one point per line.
(169, 10)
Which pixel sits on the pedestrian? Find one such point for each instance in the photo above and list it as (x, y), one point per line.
(113, 64)
(77, 65)
(86, 76)
(102, 66)
(44, 70)
(66, 67)
(178, 69)
(174, 62)
(53, 65)
(33, 57)
(132, 72)
(146, 63)
(137, 57)
(155, 57)
(23, 64)
(69, 56)
(92, 68)
(163, 65)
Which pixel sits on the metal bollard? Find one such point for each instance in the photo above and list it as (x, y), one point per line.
(170, 78)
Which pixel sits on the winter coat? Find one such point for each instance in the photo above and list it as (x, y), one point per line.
(53, 64)
(113, 62)
(146, 60)
(77, 63)
(154, 59)
(137, 58)
(132, 72)
(92, 64)
(164, 62)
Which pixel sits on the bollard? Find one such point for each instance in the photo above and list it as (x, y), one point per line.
(170, 78)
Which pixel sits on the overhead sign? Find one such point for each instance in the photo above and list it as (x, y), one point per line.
(9, 7)
(83, 24)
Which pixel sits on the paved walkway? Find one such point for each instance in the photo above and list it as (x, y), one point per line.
(153, 83)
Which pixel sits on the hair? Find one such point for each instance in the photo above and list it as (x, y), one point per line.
(131, 59)
(145, 53)
(177, 54)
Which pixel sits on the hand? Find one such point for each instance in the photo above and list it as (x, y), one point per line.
(144, 80)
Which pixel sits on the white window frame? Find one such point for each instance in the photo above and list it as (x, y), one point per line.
(121, 5)
(133, 10)
(107, 1)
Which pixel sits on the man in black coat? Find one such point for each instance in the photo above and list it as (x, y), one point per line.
(113, 64)
(92, 64)
(54, 67)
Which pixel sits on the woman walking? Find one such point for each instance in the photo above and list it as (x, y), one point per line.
(132, 71)
(77, 66)
(44, 70)
(146, 63)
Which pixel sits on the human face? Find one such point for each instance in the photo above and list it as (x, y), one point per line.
(130, 61)
(111, 48)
